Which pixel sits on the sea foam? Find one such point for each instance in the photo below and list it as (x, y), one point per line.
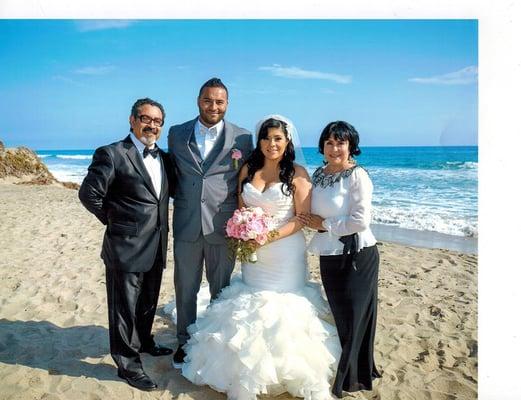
(424, 219)
(74, 156)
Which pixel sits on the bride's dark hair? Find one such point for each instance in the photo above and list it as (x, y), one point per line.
(256, 160)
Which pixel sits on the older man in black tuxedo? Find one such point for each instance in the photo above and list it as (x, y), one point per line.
(127, 188)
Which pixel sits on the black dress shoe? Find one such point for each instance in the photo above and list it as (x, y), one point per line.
(179, 358)
(157, 350)
(139, 380)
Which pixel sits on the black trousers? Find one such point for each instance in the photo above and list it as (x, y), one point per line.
(132, 301)
(352, 296)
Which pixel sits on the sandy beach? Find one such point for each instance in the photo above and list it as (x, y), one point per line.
(53, 313)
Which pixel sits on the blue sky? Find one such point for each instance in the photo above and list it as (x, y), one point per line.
(69, 84)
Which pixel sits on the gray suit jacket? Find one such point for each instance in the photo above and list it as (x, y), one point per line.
(206, 191)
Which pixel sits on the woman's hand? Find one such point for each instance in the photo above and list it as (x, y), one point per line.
(312, 221)
(272, 235)
(253, 244)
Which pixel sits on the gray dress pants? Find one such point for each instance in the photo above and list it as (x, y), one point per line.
(189, 258)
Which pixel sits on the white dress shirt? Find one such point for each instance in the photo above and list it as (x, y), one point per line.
(153, 165)
(206, 137)
(344, 201)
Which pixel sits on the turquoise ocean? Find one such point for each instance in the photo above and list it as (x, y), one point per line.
(431, 189)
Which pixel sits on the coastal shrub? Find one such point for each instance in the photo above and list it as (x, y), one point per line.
(23, 163)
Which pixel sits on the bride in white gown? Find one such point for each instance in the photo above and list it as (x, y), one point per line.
(265, 333)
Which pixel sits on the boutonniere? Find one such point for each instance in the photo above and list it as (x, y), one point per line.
(236, 156)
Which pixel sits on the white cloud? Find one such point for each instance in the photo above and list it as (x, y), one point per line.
(101, 70)
(65, 79)
(264, 91)
(465, 76)
(299, 73)
(328, 91)
(102, 24)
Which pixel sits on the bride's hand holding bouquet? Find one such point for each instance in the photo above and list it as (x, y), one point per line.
(248, 229)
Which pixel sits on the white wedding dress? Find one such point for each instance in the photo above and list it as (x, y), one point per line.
(265, 333)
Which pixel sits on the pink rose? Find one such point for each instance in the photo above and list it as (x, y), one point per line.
(236, 154)
(244, 235)
(231, 229)
(261, 239)
(256, 226)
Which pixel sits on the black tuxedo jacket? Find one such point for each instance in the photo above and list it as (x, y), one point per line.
(120, 193)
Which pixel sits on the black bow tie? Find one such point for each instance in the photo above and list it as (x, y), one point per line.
(153, 152)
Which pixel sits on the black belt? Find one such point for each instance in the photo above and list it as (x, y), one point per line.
(351, 246)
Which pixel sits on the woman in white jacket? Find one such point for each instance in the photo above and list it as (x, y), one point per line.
(349, 260)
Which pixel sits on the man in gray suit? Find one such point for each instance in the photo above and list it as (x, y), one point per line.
(205, 198)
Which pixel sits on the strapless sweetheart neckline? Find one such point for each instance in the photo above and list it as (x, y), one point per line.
(268, 187)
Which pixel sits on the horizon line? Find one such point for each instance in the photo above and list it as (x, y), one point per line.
(304, 147)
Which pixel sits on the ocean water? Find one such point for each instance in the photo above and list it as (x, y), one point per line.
(422, 188)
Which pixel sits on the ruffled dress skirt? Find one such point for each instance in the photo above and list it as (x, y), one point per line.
(266, 333)
(252, 342)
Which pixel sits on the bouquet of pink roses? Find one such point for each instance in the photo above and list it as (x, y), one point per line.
(247, 228)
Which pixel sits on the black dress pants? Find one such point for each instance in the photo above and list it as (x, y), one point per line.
(352, 295)
(132, 301)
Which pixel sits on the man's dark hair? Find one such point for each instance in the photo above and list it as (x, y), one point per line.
(141, 102)
(214, 82)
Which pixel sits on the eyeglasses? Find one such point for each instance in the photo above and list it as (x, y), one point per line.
(148, 120)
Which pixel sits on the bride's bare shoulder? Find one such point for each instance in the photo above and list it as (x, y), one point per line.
(300, 172)
(243, 173)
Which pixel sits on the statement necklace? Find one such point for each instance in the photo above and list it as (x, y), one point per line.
(323, 179)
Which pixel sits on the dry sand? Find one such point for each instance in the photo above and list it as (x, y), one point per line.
(53, 314)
